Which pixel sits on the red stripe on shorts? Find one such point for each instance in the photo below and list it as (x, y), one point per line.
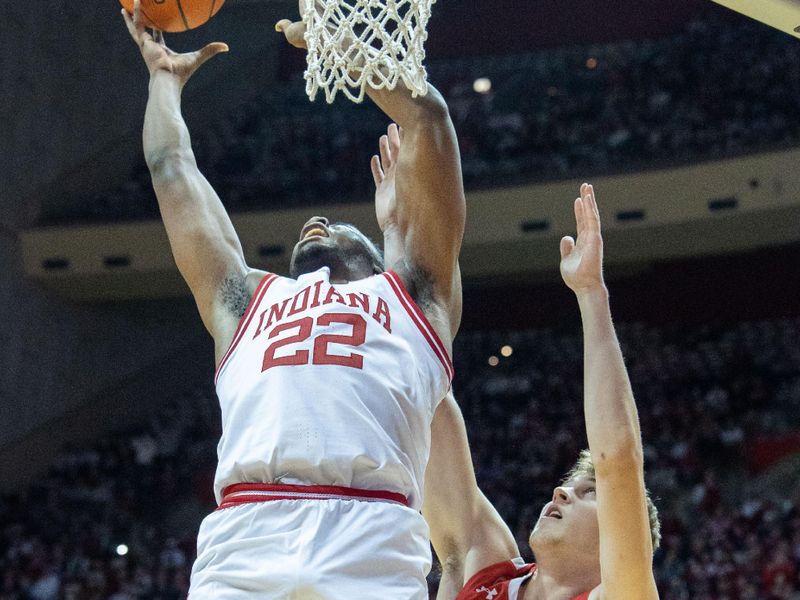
(246, 493)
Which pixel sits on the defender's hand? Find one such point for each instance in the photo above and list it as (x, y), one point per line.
(384, 168)
(582, 259)
(156, 54)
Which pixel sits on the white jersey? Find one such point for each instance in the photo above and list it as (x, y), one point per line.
(330, 385)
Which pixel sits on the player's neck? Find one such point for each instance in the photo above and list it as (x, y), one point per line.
(560, 577)
(343, 273)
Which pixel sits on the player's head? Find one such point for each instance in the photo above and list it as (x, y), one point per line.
(569, 520)
(349, 253)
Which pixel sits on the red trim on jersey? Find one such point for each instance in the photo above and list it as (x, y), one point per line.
(494, 581)
(244, 322)
(421, 321)
(246, 493)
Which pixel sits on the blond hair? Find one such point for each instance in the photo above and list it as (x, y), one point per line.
(585, 468)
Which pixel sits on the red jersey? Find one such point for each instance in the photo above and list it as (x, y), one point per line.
(501, 582)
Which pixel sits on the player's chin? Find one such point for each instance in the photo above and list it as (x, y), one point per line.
(543, 535)
(304, 247)
(535, 535)
(542, 525)
(310, 254)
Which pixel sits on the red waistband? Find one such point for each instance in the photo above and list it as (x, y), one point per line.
(245, 493)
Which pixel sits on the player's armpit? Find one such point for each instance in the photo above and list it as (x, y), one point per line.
(431, 209)
(206, 248)
(450, 583)
(234, 298)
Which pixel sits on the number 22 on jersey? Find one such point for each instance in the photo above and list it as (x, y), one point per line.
(319, 354)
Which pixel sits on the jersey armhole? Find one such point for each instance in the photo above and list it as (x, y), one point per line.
(488, 575)
(421, 321)
(258, 294)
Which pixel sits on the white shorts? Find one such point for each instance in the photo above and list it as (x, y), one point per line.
(309, 549)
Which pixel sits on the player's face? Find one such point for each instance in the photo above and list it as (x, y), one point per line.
(341, 247)
(569, 519)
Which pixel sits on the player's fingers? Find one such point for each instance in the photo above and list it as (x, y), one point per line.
(590, 213)
(137, 30)
(129, 24)
(394, 140)
(593, 205)
(377, 171)
(579, 220)
(210, 50)
(137, 15)
(294, 32)
(567, 246)
(386, 152)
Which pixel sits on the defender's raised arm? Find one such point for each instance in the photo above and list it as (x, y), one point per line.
(467, 532)
(205, 246)
(594, 540)
(612, 422)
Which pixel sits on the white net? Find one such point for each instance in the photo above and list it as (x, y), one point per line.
(356, 43)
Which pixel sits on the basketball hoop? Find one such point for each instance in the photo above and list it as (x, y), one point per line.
(356, 43)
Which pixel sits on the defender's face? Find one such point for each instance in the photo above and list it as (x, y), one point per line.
(324, 244)
(570, 518)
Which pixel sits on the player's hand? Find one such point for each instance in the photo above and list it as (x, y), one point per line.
(582, 259)
(384, 168)
(295, 31)
(156, 54)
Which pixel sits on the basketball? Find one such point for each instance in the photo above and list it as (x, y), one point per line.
(175, 15)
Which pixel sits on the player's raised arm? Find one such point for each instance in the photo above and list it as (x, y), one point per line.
(467, 532)
(430, 211)
(428, 221)
(205, 246)
(612, 422)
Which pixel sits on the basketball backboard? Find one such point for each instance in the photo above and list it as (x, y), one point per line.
(781, 14)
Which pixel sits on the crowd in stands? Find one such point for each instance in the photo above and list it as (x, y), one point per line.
(106, 523)
(721, 86)
(117, 520)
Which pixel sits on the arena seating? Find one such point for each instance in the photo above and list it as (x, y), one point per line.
(714, 89)
(704, 395)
